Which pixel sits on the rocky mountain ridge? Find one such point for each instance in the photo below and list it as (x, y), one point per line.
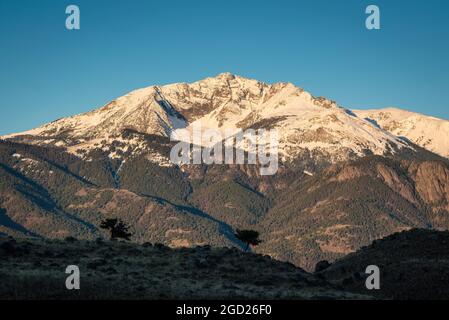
(305, 124)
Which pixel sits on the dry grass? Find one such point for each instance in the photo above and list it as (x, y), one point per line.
(35, 269)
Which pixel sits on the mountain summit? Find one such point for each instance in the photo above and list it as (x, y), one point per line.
(306, 124)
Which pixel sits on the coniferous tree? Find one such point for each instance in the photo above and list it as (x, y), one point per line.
(250, 237)
(117, 228)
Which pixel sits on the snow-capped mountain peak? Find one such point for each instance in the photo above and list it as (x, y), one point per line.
(305, 124)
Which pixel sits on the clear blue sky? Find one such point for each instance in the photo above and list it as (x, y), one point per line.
(48, 72)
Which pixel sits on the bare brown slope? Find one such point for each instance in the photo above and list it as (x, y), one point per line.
(350, 205)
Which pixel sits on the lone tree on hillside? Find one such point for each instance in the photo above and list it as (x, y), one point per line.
(117, 228)
(250, 237)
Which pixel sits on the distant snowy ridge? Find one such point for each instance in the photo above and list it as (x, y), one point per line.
(428, 132)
